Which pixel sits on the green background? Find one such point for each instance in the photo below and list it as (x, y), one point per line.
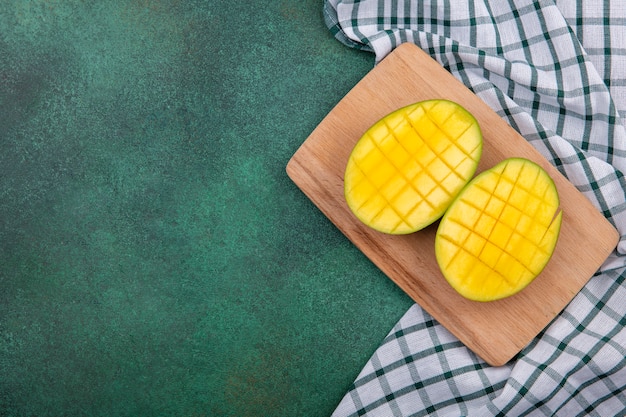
(155, 259)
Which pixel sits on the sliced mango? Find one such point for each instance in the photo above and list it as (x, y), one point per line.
(500, 232)
(407, 168)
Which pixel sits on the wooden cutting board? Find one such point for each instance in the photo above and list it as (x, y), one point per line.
(495, 331)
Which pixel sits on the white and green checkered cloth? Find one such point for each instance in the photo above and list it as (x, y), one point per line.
(556, 72)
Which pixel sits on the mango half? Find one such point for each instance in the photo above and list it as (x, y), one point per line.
(500, 232)
(408, 167)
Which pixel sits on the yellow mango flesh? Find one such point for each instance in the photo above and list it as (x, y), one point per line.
(500, 232)
(406, 169)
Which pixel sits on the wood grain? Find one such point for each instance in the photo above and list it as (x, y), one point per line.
(496, 331)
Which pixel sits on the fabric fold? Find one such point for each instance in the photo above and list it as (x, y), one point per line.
(553, 72)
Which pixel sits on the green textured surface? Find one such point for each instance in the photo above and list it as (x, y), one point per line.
(155, 257)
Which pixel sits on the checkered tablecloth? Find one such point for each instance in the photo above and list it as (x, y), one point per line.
(556, 72)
